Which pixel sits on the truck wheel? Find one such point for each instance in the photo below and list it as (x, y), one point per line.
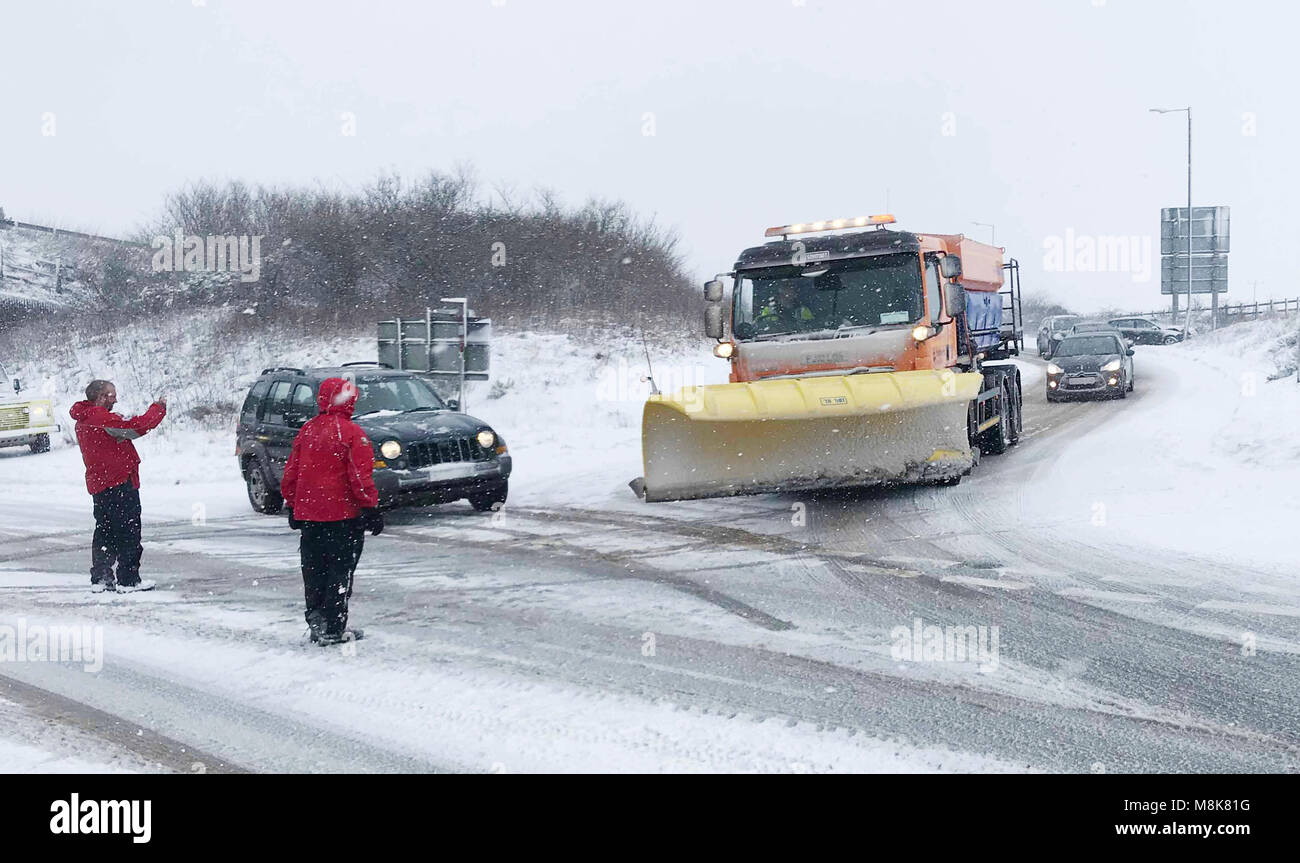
(260, 495)
(41, 444)
(999, 437)
(1017, 410)
(487, 501)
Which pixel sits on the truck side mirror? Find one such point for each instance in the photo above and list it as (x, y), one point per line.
(18, 385)
(950, 266)
(713, 290)
(956, 298)
(713, 320)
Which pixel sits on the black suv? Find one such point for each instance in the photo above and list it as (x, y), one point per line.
(425, 452)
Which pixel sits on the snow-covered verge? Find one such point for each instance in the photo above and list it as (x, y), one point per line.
(1203, 461)
(33, 744)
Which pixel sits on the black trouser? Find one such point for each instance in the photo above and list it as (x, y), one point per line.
(117, 536)
(330, 551)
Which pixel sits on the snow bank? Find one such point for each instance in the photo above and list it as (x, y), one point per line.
(1204, 459)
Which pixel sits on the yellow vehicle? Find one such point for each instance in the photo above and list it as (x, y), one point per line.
(859, 356)
(26, 421)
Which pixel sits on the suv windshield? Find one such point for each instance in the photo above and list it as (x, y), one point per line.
(883, 290)
(1090, 346)
(395, 394)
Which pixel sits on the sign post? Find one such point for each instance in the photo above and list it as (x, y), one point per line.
(1194, 253)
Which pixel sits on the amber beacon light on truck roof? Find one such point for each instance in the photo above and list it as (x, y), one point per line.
(829, 225)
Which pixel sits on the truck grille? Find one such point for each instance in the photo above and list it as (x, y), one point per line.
(434, 452)
(13, 418)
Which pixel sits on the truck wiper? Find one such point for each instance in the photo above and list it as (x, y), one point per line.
(422, 408)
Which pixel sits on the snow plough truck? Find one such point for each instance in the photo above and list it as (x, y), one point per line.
(860, 356)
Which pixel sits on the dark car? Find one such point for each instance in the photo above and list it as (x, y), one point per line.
(1144, 331)
(1090, 363)
(1053, 329)
(425, 451)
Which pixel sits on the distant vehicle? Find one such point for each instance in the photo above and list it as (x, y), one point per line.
(1090, 363)
(425, 451)
(25, 421)
(1144, 331)
(1053, 328)
(1092, 327)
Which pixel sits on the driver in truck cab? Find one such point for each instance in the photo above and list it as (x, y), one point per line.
(785, 312)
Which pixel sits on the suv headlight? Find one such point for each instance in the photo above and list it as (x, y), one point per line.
(1112, 366)
(485, 439)
(390, 449)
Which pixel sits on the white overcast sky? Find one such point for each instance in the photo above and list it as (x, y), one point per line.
(764, 112)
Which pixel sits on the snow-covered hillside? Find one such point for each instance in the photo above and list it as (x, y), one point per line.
(39, 269)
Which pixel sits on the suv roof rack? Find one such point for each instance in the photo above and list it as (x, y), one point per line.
(367, 363)
(281, 369)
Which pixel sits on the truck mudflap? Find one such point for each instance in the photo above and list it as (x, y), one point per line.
(796, 434)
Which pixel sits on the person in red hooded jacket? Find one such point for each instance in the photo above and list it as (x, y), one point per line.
(331, 497)
(113, 480)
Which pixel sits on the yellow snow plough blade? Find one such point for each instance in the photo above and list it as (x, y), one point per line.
(794, 434)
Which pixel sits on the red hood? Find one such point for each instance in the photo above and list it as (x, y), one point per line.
(78, 411)
(337, 396)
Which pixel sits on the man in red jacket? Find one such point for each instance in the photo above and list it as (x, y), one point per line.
(113, 480)
(331, 497)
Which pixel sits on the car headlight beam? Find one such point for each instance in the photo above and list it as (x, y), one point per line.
(485, 439)
(1112, 366)
(1054, 369)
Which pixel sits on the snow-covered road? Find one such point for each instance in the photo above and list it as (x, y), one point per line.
(584, 630)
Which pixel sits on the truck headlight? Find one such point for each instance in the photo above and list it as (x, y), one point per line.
(921, 333)
(724, 350)
(40, 414)
(1112, 366)
(485, 439)
(390, 449)
(1054, 369)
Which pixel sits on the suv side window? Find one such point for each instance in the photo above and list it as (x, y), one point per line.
(276, 402)
(304, 402)
(254, 401)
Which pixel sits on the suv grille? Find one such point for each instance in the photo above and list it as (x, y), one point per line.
(13, 418)
(434, 452)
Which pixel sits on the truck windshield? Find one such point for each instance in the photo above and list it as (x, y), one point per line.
(883, 290)
(393, 394)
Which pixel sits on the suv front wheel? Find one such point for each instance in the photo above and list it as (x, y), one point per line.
(260, 494)
(488, 499)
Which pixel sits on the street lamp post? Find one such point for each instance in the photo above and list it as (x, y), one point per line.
(992, 228)
(1214, 298)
